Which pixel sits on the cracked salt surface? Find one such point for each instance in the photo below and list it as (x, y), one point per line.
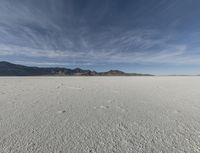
(100, 114)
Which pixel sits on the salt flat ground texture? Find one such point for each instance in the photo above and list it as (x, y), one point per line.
(99, 114)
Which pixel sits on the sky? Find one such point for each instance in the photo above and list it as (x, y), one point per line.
(146, 36)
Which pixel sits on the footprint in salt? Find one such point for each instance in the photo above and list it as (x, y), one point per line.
(177, 111)
(60, 86)
(74, 88)
(104, 107)
(62, 111)
(36, 102)
(101, 107)
(121, 108)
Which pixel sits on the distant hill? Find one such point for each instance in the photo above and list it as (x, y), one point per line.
(10, 69)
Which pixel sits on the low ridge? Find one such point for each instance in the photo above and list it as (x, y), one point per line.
(10, 69)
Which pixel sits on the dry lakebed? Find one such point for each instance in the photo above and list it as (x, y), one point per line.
(100, 114)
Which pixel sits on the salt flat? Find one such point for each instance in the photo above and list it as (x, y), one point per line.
(99, 114)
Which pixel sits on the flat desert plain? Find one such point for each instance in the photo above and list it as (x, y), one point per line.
(99, 114)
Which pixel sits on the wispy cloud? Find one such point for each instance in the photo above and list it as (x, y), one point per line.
(173, 54)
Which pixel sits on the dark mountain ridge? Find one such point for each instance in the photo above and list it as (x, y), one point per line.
(10, 69)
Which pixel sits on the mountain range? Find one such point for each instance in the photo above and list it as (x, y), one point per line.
(10, 69)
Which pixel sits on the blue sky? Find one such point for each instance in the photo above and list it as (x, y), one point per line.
(148, 36)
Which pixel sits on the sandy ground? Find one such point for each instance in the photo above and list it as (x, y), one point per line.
(99, 114)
